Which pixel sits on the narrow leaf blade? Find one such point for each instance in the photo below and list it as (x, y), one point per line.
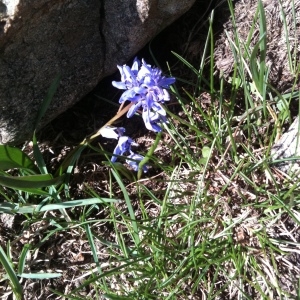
(45, 104)
(17, 288)
(31, 181)
(11, 157)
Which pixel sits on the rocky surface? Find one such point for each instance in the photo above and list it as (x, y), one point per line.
(287, 150)
(82, 41)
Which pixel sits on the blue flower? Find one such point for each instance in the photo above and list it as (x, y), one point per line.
(134, 161)
(151, 120)
(128, 76)
(152, 76)
(134, 94)
(155, 83)
(146, 88)
(123, 146)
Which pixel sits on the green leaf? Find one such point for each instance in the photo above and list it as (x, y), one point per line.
(30, 182)
(92, 245)
(79, 202)
(262, 32)
(121, 169)
(16, 287)
(116, 297)
(135, 234)
(70, 160)
(11, 157)
(205, 152)
(203, 160)
(255, 70)
(150, 152)
(22, 259)
(30, 209)
(38, 156)
(45, 104)
(7, 208)
(258, 68)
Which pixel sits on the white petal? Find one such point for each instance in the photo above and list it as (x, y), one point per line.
(109, 132)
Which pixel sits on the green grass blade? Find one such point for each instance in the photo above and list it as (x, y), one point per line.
(45, 104)
(148, 155)
(93, 246)
(77, 203)
(39, 276)
(38, 156)
(30, 209)
(30, 181)
(291, 61)
(262, 33)
(15, 284)
(257, 77)
(22, 259)
(69, 162)
(129, 206)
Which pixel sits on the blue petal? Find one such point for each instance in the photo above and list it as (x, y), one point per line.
(134, 94)
(149, 101)
(120, 131)
(119, 85)
(140, 90)
(127, 95)
(133, 109)
(117, 151)
(155, 117)
(166, 81)
(124, 145)
(148, 81)
(135, 66)
(163, 119)
(121, 72)
(128, 73)
(146, 66)
(166, 95)
(144, 70)
(135, 164)
(159, 109)
(112, 132)
(150, 121)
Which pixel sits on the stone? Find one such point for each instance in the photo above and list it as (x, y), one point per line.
(286, 151)
(82, 41)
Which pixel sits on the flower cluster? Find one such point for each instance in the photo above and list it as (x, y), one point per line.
(146, 88)
(123, 146)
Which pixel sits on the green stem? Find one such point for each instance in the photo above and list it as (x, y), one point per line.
(110, 122)
(148, 155)
(77, 151)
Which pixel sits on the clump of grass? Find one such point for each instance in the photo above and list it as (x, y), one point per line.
(214, 219)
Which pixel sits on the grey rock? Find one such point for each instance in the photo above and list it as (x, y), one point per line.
(287, 150)
(7, 220)
(80, 40)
